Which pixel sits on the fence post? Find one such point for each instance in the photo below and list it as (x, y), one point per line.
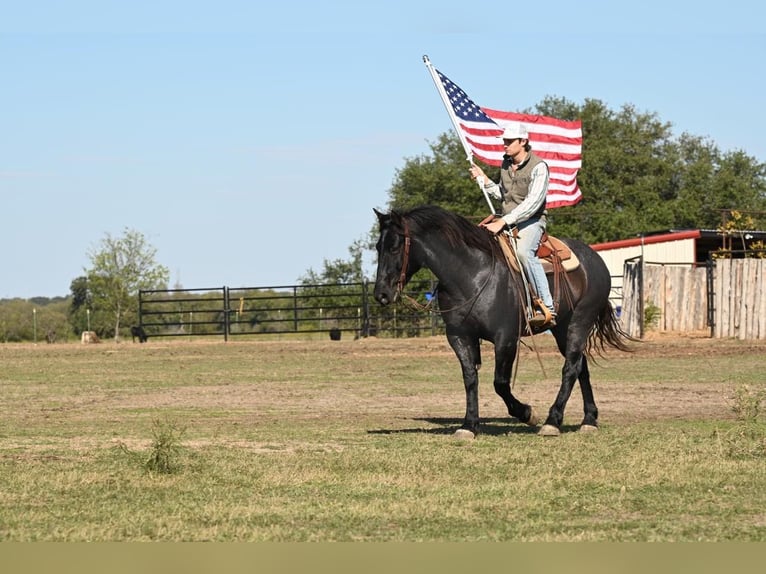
(140, 308)
(295, 308)
(641, 309)
(710, 264)
(365, 309)
(225, 314)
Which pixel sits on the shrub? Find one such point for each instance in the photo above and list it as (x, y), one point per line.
(166, 447)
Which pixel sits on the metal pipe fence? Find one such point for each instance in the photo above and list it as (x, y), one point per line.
(282, 309)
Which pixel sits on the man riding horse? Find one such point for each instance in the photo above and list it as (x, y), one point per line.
(523, 188)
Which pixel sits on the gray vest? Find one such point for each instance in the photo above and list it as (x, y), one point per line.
(515, 184)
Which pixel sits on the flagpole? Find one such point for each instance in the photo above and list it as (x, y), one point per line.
(460, 135)
(450, 111)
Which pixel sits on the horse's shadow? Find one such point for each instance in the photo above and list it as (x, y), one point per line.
(488, 427)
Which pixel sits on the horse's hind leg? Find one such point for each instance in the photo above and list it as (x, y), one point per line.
(590, 420)
(575, 367)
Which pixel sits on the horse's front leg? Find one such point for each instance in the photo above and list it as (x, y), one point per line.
(505, 356)
(466, 349)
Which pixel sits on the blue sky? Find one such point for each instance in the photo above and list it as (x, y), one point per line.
(250, 141)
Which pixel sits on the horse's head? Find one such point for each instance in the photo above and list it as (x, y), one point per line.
(393, 256)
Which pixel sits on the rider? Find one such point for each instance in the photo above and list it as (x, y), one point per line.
(523, 187)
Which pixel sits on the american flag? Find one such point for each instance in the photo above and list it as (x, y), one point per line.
(557, 142)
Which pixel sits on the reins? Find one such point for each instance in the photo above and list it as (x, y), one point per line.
(405, 257)
(419, 306)
(403, 278)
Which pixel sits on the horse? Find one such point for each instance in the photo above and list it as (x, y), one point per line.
(481, 298)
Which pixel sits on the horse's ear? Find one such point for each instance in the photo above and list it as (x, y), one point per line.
(383, 218)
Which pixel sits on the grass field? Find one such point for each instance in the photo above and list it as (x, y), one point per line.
(286, 440)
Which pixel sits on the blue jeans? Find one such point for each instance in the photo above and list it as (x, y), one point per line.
(530, 232)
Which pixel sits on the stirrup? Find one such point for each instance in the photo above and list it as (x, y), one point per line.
(542, 317)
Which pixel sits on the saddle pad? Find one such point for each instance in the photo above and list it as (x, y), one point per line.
(553, 245)
(546, 251)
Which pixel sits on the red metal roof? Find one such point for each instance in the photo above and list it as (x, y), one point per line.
(646, 240)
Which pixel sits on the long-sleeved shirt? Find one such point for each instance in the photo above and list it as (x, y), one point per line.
(533, 203)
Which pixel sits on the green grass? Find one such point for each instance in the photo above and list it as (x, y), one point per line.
(351, 441)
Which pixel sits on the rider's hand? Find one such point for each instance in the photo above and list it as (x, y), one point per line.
(476, 172)
(496, 226)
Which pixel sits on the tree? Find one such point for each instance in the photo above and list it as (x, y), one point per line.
(38, 319)
(636, 177)
(15, 321)
(340, 270)
(121, 267)
(441, 180)
(80, 306)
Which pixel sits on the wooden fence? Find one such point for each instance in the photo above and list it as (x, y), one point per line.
(740, 298)
(725, 297)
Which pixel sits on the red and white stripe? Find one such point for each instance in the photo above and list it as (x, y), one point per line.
(557, 142)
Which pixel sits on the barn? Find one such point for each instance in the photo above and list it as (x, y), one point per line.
(675, 246)
(677, 279)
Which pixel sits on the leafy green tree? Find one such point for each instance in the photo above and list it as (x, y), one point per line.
(441, 179)
(636, 177)
(52, 321)
(39, 319)
(340, 270)
(80, 305)
(120, 268)
(15, 320)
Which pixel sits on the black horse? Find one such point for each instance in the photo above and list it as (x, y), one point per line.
(481, 298)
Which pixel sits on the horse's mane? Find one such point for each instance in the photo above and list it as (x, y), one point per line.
(456, 229)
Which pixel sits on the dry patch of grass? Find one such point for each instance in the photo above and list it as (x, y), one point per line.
(351, 440)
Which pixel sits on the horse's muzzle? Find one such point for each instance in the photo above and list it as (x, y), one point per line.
(384, 296)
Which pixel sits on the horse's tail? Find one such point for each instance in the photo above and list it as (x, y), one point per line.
(608, 332)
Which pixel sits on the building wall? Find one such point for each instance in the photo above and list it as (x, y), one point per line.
(669, 248)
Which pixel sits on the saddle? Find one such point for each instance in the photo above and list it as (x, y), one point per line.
(552, 252)
(556, 257)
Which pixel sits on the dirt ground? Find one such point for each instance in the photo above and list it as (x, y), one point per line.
(668, 377)
(703, 386)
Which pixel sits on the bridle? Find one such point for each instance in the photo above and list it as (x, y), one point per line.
(405, 258)
(403, 278)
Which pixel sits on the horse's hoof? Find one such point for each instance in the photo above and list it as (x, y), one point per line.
(534, 418)
(588, 428)
(548, 430)
(464, 434)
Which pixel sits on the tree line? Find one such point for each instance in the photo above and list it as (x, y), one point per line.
(103, 300)
(637, 176)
